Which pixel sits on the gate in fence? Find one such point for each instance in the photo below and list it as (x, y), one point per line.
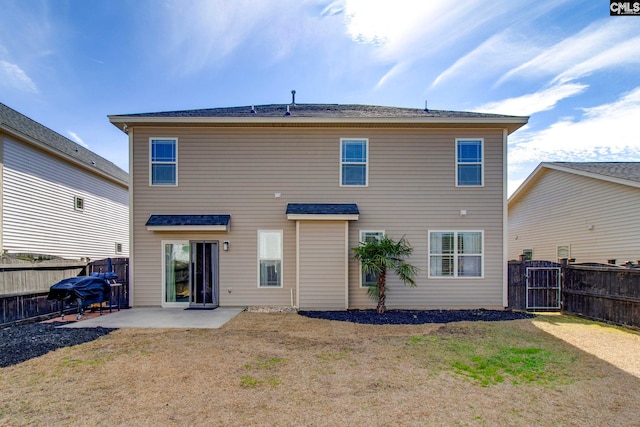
(543, 288)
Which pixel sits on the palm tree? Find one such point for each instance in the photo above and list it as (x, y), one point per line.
(378, 256)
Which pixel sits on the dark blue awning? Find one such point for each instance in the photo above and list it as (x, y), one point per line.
(323, 211)
(215, 222)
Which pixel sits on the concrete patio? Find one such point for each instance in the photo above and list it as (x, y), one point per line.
(158, 317)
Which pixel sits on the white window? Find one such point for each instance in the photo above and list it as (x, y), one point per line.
(163, 161)
(369, 279)
(469, 163)
(270, 258)
(78, 203)
(456, 253)
(354, 155)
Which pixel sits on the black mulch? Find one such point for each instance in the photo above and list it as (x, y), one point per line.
(23, 342)
(417, 317)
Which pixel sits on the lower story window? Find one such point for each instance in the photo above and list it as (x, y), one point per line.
(455, 253)
(370, 279)
(269, 258)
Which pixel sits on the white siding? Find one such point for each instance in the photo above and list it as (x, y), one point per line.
(38, 207)
(560, 208)
(237, 171)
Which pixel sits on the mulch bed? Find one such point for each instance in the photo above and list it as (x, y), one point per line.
(417, 317)
(26, 341)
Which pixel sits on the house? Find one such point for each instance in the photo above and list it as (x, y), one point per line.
(261, 205)
(58, 198)
(582, 211)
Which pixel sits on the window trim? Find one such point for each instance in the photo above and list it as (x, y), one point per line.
(281, 232)
(77, 199)
(366, 163)
(360, 241)
(481, 163)
(455, 255)
(151, 162)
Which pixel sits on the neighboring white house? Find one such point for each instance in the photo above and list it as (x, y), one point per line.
(583, 211)
(58, 198)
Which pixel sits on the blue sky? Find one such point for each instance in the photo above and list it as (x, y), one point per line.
(569, 65)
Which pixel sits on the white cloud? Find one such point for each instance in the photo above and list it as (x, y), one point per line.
(513, 184)
(76, 138)
(199, 34)
(607, 132)
(14, 77)
(405, 31)
(531, 103)
(600, 39)
(490, 57)
(619, 55)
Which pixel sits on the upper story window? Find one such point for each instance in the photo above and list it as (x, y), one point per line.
(469, 163)
(354, 155)
(455, 253)
(163, 161)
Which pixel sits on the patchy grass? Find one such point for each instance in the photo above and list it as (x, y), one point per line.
(492, 355)
(285, 369)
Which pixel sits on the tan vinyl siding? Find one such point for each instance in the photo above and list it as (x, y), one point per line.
(411, 189)
(38, 207)
(322, 265)
(560, 208)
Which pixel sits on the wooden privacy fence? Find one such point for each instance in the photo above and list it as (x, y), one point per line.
(34, 277)
(15, 307)
(603, 293)
(610, 294)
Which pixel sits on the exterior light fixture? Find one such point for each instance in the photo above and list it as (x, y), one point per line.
(225, 245)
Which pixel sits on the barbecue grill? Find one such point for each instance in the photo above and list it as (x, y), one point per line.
(83, 291)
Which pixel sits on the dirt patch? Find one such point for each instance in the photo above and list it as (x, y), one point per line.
(290, 370)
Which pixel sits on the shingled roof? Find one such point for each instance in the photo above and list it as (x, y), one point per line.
(625, 173)
(622, 170)
(296, 114)
(22, 126)
(315, 110)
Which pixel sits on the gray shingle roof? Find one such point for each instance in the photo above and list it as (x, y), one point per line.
(168, 220)
(322, 209)
(621, 170)
(22, 125)
(317, 110)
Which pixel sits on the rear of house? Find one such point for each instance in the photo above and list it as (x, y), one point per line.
(262, 205)
(584, 211)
